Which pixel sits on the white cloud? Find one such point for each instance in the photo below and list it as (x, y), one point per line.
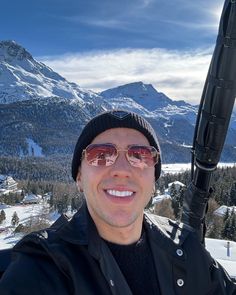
(203, 16)
(199, 25)
(98, 22)
(180, 75)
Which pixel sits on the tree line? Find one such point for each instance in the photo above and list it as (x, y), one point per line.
(64, 194)
(223, 193)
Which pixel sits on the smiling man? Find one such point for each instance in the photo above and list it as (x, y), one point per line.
(111, 246)
(118, 189)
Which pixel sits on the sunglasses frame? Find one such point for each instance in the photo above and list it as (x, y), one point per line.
(151, 148)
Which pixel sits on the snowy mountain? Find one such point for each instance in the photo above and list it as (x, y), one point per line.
(143, 94)
(156, 104)
(42, 114)
(24, 78)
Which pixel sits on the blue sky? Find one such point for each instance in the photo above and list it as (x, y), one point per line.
(101, 44)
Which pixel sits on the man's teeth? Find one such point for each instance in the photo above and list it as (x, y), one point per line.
(120, 193)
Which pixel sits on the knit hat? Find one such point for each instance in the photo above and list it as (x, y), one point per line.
(109, 120)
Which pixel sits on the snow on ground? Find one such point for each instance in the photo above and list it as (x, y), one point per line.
(181, 167)
(33, 148)
(225, 253)
(217, 248)
(7, 238)
(23, 212)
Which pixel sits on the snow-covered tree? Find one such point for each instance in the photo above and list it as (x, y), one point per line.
(15, 219)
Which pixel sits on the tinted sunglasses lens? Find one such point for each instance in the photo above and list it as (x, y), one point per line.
(101, 154)
(142, 156)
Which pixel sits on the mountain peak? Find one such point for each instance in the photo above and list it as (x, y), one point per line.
(130, 90)
(24, 78)
(140, 85)
(144, 94)
(10, 50)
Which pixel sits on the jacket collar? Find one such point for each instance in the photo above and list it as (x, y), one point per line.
(81, 230)
(76, 231)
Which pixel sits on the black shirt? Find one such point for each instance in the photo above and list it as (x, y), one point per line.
(136, 264)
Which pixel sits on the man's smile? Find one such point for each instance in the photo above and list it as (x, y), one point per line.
(118, 193)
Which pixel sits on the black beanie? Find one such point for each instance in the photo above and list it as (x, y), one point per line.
(109, 120)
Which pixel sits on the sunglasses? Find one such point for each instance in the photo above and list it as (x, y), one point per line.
(105, 154)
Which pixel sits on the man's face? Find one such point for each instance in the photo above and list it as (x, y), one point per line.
(102, 186)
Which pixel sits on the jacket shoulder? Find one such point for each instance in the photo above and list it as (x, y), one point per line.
(173, 230)
(33, 242)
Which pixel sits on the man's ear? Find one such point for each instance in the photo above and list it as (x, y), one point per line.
(78, 181)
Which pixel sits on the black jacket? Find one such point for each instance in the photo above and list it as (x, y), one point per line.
(71, 258)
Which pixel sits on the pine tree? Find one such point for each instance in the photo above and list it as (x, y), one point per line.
(177, 200)
(215, 228)
(233, 226)
(226, 198)
(226, 229)
(51, 201)
(229, 229)
(73, 204)
(233, 195)
(15, 219)
(2, 216)
(226, 215)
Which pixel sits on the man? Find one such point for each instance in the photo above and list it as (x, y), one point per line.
(111, 246)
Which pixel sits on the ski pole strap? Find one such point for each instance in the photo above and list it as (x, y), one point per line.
(195, 206)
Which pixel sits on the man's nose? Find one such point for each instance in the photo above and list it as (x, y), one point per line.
(121, 167)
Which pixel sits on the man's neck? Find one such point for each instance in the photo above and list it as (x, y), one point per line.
(121, 235)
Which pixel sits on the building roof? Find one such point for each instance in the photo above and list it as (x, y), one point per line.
(30, 198)
(176, 183)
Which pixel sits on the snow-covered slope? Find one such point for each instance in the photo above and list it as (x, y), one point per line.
(156, 103)
(23, 78)
(25, 213)
(225, 253)
(144, 94)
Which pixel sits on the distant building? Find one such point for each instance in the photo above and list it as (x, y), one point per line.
(47, 196)
(221, 211)
(177, 185)
(31, 199)
(7, 185)
(159, 198)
